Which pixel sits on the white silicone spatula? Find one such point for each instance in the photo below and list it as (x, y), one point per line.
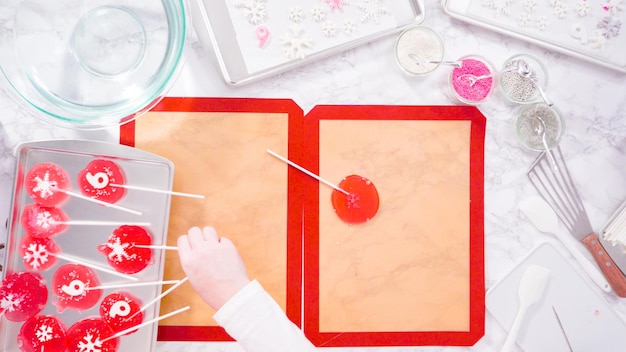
(544, 218)
(530, 289)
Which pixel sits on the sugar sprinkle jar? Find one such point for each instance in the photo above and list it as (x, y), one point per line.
(418, 51)
(474, 81)
(523, 79)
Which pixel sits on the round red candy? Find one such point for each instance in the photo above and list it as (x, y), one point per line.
(87, 335)
(43, 182)
(121, 252)
(42, 333)
(360, 205)
(97, 178)
(38, 253)
(40, 221)
(121, 311)
(70, 283)
(22, 295)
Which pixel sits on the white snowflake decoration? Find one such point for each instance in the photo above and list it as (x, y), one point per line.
(530, 6)
(349, 27)
(318, 14)
(353, 201)
(524, 20)
(36, 255)
(254, 11)
(371, 9)
(542, 23)
(11, 302)
(598, 41)
(560, 11)
(296, 14)
(44, 220)
(499, 7)
(44, 333)
(554, 3)
(582, 9)
(295, 43)
(44, 186)
(90, 344)
(328, 29)
(615, 6)
(118, 250)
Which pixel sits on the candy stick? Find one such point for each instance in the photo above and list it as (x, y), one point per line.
(100, 223)
(98, 201)
(138, 188)
(308, 172)
(165, 293)
(93, 266)
(133, 328)
(152, 246)
(134, 284)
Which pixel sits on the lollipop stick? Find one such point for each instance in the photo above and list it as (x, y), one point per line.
(124, 332)
(165, 293)
(171, 248)
(308, 172)
(110, 205)
(138, 188)
(93, 266)
(135, 284)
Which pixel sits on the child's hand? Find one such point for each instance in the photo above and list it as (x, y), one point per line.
(213, 265)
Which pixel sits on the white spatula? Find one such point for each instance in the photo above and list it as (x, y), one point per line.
(530, 289)
(544, 218)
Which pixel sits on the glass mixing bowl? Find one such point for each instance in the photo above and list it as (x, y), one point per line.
(91, 64)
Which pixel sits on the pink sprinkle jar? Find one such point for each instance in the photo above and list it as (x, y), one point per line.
(468, 82)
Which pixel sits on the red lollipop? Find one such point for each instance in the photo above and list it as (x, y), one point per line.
(121, 311)
(121, 250)
(97, 178)
(22, 295)
(42, 333)
(38, 253)
(70, 284)
(360, 205)
(88, 334)
(40, 221)
(43, 182)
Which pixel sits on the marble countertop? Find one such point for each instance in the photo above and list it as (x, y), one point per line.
(591, 98)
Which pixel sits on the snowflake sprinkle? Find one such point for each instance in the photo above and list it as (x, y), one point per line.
(296, 14)
(118, 250)
(318, 14)
(371, 9)
(524, 20)
(328, 29)
(349, 27)
(254, 11)
(45, 187)
(294, 43)
(542, 23)
(90, 344)
(609, 27)
(36, 255)
(582, 9)
(44, 333)
(499, 7)
(10, 302)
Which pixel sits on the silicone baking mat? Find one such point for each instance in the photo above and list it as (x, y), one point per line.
(413, 274)
(219, 150)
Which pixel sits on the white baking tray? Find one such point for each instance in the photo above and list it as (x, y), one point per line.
(140, 168)
(584, 29)
(228, 28)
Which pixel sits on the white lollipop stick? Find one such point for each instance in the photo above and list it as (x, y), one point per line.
(124, 332)
(93, 266)
(308, 172)
(138, 188)
(135, 284)
(165, 293)
(151, 246)
(110, 205)
(100, 223)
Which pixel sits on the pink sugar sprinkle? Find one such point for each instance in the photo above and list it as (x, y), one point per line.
(481, 88)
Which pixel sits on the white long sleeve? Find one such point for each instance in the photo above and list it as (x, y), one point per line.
(258, 323)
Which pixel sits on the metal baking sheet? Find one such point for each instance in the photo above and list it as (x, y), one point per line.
(253, 39)
(140, 168)
(588, 30)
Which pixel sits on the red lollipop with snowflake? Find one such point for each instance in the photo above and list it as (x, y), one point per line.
(360, 204)
(125, 249)
(40, 221)
(38, 253)
(71, 285)
(90, 335)
(121, 311)
(43, 183)
(42, 333)
(22, 295)
(98, 179)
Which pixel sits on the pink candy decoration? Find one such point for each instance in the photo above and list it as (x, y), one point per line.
(481, 89)
(263, 35)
